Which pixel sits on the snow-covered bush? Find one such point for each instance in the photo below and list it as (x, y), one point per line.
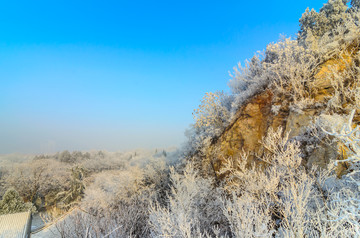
(248, 216)
(345, 82)
(211, 112)
(340, 213)
(192, 210)
(279, 197)
(211, 118)
(120, 199)
(247, 81)
(290, 68)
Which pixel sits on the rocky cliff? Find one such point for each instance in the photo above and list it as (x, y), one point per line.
(270, 109)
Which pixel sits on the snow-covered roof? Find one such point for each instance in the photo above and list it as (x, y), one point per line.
(15, 225)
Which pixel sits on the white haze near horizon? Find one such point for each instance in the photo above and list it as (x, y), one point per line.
(140, 154)
(37, 141)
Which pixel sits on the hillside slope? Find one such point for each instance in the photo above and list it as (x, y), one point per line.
(271, 109)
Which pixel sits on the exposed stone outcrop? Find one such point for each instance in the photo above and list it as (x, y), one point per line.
(251, 124)
(253, 120)
(321, 86)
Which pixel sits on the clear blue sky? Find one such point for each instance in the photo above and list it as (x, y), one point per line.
(115, 75)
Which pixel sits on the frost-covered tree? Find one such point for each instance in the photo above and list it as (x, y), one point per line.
(245, 76)
(355, 4)
(211, 118)
(335, 11)
(13, 203)
(75, 191)
(314, 25)
(247, 80)
(212, 113)
(290, 68)
(38, 181)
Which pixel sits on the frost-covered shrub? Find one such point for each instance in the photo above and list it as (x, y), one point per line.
(192, 210)
(211, 111)
(345, 83)
(157, 177)
(339, 216)
(212, 116)
(247, 81)
(248, 216)
(278, 197)
(350, 137)
(291, 68)
(120, 199)
(344, 37)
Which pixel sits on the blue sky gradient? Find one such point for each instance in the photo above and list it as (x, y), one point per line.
(116, 75)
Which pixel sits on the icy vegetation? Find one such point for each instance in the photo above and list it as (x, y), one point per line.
(171, 193)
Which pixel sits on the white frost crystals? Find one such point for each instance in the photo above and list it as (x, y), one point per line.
(350, 137)
(344, 204)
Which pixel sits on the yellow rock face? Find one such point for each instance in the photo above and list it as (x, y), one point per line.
(322, 86)
(245, 133)
(255, 117)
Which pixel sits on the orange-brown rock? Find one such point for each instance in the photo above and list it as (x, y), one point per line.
(321, 86)
(245, 133)
(253, 120)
